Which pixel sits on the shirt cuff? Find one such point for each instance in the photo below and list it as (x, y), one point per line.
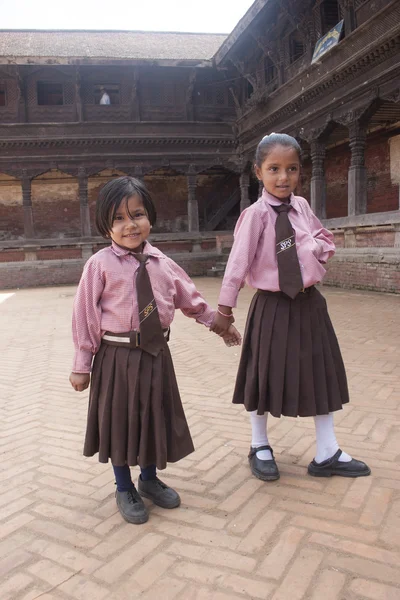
(228, 296)
(207, 318)
(82, 361)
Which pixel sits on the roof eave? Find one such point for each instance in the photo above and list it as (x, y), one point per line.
(222, 54)
(96, 61)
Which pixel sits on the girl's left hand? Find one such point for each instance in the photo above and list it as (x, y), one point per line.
(232, 337)
(79, 381)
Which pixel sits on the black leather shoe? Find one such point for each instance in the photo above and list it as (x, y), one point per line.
(267, 470)
(332, 466)
(132, 507)
(159, 493)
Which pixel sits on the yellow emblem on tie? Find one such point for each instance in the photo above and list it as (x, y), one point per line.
(149, 309)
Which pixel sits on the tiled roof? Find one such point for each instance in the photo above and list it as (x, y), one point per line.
(20, 45)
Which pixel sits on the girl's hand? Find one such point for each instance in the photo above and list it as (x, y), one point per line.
(222, 323)
(79, 381)
(232, 337)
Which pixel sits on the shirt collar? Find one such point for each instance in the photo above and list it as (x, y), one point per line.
(275, 202)
(148, 249)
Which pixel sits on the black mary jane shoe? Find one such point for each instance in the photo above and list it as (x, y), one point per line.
(267, 470)
(332, 466)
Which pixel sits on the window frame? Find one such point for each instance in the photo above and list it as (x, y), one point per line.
(44, 82)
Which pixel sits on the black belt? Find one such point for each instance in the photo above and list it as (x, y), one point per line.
(306, 290)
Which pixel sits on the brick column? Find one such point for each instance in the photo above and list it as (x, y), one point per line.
(26, 183)
(318, 183)
(357, 182)
(193, 207)
(83, 200)
(244, 191)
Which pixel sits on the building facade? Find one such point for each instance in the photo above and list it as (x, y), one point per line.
(185, 113)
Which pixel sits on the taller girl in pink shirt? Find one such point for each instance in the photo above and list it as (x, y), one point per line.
(291, 362)
(125, 303)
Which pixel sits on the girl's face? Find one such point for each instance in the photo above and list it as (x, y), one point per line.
(280, 171)
(131, 229)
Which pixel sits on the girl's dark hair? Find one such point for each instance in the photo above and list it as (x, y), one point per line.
(116, 191)
(275, 139)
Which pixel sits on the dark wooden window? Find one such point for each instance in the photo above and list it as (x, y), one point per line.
(296, 46)
(248, 89)
(50, 94)
(3, 97)
(269, 70)
(329, 15)
(112, 89)
(159, 93)
(214, 95)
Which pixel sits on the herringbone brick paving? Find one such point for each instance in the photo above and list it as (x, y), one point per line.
(234, 537)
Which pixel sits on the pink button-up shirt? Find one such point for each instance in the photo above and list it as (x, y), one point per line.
(106, 298)
(253, 254)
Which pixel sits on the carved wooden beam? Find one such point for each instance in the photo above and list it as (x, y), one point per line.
(241, 68)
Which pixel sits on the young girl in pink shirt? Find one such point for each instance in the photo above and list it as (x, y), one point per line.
(291, 362)
(124, 306)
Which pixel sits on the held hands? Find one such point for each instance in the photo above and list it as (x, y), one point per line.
(79, 381)
(223, 326)
(232, 337)
(223, 320)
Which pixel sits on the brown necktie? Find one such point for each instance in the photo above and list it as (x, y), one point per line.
(151, 333)
(290, 280)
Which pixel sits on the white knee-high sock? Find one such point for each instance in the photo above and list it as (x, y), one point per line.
(327, 444)
(259, 434)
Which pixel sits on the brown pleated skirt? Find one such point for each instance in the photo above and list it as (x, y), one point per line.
(291, 362)
(135, 414)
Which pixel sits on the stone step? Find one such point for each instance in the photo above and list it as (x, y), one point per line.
(217, 270)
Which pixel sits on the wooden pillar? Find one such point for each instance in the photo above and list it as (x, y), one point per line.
(83, 200)
(21, 101)
(318, 183)
(135, 99)
(193, 207)
(78, 98)
(244, 191)
(357, 182)
(26, 182)
(349, 16)
(189, 96)
(138, 172)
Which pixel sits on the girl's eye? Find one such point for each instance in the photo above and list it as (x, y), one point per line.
(294, 169)
(118, 218)
(273, 169)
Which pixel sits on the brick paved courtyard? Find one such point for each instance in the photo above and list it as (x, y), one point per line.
(234, 537)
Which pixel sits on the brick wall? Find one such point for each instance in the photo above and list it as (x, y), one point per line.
(382, 194)
(304, 187)
(65, 272)
(169, 193)
(11, 211)
(337, 164)
(55, 205)
(378, 271)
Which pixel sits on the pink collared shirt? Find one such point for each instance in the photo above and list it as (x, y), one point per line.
(106, 298)
(253, 255)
